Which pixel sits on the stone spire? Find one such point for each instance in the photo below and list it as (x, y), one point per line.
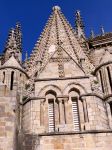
(79, 24)
(13, 44)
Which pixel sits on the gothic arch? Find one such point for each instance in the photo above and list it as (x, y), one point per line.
(47, 88)
(79, 88)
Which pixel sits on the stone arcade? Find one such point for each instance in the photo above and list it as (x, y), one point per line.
(60, 97)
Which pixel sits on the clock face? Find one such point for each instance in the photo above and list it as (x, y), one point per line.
(52, 48)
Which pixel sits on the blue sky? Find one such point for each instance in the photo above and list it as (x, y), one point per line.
(33, 15)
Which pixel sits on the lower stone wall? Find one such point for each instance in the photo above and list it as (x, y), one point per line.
(7, 125)
(85, 141)
(91, 140)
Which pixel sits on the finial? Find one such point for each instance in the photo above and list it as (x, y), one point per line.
(11, 33)
(56, 8)
(102, 30)
(78, 13)
(79, 21)
(92, 34)
(18, 24)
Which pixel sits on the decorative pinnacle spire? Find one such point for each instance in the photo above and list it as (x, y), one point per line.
(11, 42)
(79, 21)
(92, 34)
(79, 24)
(18, 36)
(102, 30)
(55, 8)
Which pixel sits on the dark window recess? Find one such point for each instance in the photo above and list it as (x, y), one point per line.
(12, 80)
(101, 79)
(3, 77)
(109, 77)
(111, 108)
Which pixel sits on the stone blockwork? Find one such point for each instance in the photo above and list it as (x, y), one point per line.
(8, 119)
(89, 141)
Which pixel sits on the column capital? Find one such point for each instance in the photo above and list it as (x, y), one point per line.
(82, 98)
(64, 98)
(42, 100)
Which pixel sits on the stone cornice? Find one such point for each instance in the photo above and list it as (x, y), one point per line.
(81, 97)
(72, 133)
(65, 78)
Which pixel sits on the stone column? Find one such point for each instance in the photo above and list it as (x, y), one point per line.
(61, 113)
(109, 114)
(42, 101)
(86, 119)
(65, 101)
(85, 110)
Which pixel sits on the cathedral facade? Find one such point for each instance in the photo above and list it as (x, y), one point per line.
(60, 97)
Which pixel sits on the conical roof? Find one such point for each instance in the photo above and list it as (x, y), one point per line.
(57, 31)
(12, 62)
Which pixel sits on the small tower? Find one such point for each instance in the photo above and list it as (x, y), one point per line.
(79, 24)
(13, 44)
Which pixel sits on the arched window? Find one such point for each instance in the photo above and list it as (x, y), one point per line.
(12, 80)
(3, 77)
(51, 98)
(101, 81)
(75, 109)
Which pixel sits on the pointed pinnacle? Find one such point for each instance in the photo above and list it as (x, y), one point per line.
(26, 56)
(79, 21)
(78, 14)
(11, 36)
(92, 34)
(102, 30)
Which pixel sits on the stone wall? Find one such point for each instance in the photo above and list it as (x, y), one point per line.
(85, 141)
(8, 119)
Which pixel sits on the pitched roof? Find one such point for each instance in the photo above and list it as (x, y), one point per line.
(57, 30)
